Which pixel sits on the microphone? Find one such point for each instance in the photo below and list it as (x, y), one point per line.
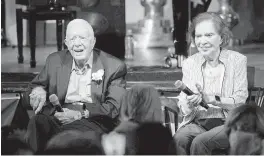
(180, 86)
(55, 102)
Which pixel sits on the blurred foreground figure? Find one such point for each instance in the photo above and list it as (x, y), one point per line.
(140, 106)
(74, 143)
(245, 129)
(153, 139)
(13, 142)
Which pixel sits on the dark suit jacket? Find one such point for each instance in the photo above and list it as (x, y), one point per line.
(106, 96)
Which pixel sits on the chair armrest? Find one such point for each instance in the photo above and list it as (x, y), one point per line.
(256, 95)
(170, 103)
(25, 101)
(169, 106)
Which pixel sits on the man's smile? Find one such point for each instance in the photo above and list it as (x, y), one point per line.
(78, 50)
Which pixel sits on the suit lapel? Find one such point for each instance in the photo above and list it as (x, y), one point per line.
(96, 89)
(63, 76)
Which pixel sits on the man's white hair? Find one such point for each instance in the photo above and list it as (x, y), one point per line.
(80, 22)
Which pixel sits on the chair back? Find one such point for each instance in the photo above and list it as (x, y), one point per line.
(256, 95)
(170, 113)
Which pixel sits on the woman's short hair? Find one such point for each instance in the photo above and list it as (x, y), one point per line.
(252, 111)
(220, 26)
(141, 104)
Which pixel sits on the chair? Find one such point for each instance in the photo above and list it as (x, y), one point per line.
(12, 112)
(170, 112)
(256, 95)
(33, 14)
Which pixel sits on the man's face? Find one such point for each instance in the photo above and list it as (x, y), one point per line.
(207, 39)
(80, 42)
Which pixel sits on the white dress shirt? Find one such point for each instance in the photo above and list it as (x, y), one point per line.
(79, 88)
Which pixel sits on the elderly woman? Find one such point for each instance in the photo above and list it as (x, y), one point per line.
(245, 129)
(218, 77)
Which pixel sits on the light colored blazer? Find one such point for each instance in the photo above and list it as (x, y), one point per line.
(234, 85)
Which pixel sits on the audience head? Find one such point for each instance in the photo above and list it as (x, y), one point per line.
(80, 39)
(153, 138)
(75, 143)
(247, 118)
(141, 104)
(209, 33)
(13, 142)
(245, 129)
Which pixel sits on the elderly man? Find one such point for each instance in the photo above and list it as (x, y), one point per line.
(88, 83)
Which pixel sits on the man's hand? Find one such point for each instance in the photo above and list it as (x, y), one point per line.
(68, 116)
(37, 99)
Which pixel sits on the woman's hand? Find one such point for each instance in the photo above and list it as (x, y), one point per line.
(185, 106)
(208, 99)
(194, 99)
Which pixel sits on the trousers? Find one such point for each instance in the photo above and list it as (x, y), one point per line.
(42, 127)
(195, 140)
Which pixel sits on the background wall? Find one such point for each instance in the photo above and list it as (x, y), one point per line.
(135, 12)
(11, 31)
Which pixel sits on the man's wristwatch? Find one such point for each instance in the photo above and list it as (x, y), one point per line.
(85, 113)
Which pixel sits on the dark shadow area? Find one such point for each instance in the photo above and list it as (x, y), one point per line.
(111, 43)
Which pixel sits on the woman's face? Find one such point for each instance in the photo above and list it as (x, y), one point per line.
(207, 39)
